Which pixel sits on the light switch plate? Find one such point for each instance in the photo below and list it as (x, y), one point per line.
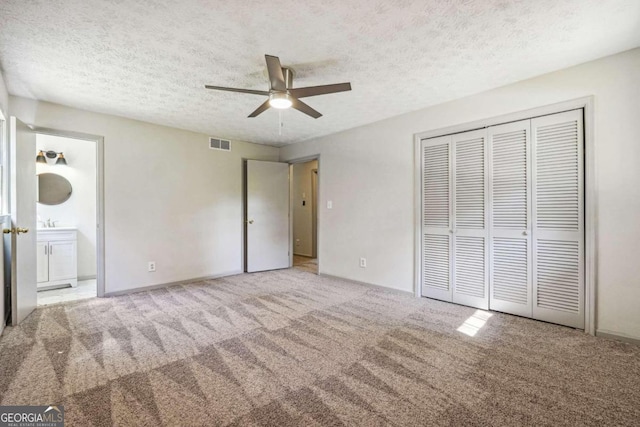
(329, 204)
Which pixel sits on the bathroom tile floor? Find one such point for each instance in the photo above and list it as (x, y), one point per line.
(85, 289)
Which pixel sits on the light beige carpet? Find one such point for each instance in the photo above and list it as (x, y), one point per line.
(289, 348)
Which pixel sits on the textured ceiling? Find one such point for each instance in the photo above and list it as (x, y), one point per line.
(149, 59)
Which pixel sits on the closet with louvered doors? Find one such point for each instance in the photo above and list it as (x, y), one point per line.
(455, 236)
(503, 218)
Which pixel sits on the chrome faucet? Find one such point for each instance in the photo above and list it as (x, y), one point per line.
(50, 224)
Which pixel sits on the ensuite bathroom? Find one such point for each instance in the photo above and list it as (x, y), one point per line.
(66, 214)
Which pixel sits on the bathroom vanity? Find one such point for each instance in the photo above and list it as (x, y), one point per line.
(57, 257)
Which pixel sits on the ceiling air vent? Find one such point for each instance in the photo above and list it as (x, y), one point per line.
(219, 144)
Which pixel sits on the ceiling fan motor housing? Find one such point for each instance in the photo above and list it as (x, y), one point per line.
(288, 77)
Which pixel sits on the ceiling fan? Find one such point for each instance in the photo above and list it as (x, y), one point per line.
(281, 92)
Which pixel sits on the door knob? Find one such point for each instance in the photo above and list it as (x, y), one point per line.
(15, 230)
(525, 233)
(250, 221)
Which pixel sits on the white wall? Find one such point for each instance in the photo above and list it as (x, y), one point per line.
(302, 215)
(168, 197)
(80, 210)
(4, 108)
(368, 173)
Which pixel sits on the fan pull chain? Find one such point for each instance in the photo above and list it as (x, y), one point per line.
(280, 122)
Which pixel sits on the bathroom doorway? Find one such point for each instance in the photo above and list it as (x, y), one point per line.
(67, 214)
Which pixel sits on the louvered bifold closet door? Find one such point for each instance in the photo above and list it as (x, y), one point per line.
(470, 218)
(558, 218)
(510, 213)
(436, 218)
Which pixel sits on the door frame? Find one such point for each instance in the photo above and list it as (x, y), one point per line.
(315, 185)
(590, 193)
(292, 162)
(5, 262)
(100, 232)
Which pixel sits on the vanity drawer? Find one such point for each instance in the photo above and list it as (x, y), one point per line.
(50, 236)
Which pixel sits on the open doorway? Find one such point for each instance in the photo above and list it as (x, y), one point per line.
(66, 208)
(304, 202)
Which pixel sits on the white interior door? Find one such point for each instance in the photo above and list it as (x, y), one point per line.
(22, 149)
(510, 201)
(437, 227)
(558, 218)
(267, 215)
(470, 218)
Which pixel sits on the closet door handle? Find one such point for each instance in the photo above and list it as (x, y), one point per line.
(45, 250)
(50, 250)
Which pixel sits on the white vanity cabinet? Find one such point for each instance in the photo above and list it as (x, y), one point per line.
(57, 257)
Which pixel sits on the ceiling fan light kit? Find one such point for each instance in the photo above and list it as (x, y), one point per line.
(281, 101)
(282, 94)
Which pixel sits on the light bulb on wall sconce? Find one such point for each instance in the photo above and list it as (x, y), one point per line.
(50, 154)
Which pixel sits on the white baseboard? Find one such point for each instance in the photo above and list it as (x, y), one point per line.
(81, 278)
(164, 285)
(603, 333)
(357, 282)
(299, 254)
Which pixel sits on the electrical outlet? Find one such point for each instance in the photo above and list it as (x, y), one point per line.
(297, 242)
(329, 204)
(363, 262)
(152, 266)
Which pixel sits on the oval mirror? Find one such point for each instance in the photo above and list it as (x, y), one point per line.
(53, 189)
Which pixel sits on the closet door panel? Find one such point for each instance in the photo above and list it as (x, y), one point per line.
(510, 212)
(558, 218)
(436, 219)
(470, 217)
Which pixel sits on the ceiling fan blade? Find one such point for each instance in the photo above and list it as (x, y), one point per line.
(302, 92)
(276, 77)
(232, 89)
(261, 109)
(301, 106)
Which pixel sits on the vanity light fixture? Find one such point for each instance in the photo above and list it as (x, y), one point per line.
(44, 155)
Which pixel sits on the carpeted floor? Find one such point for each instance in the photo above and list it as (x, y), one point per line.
(290, 348)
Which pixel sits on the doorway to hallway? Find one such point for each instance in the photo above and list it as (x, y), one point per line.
(304, 201)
